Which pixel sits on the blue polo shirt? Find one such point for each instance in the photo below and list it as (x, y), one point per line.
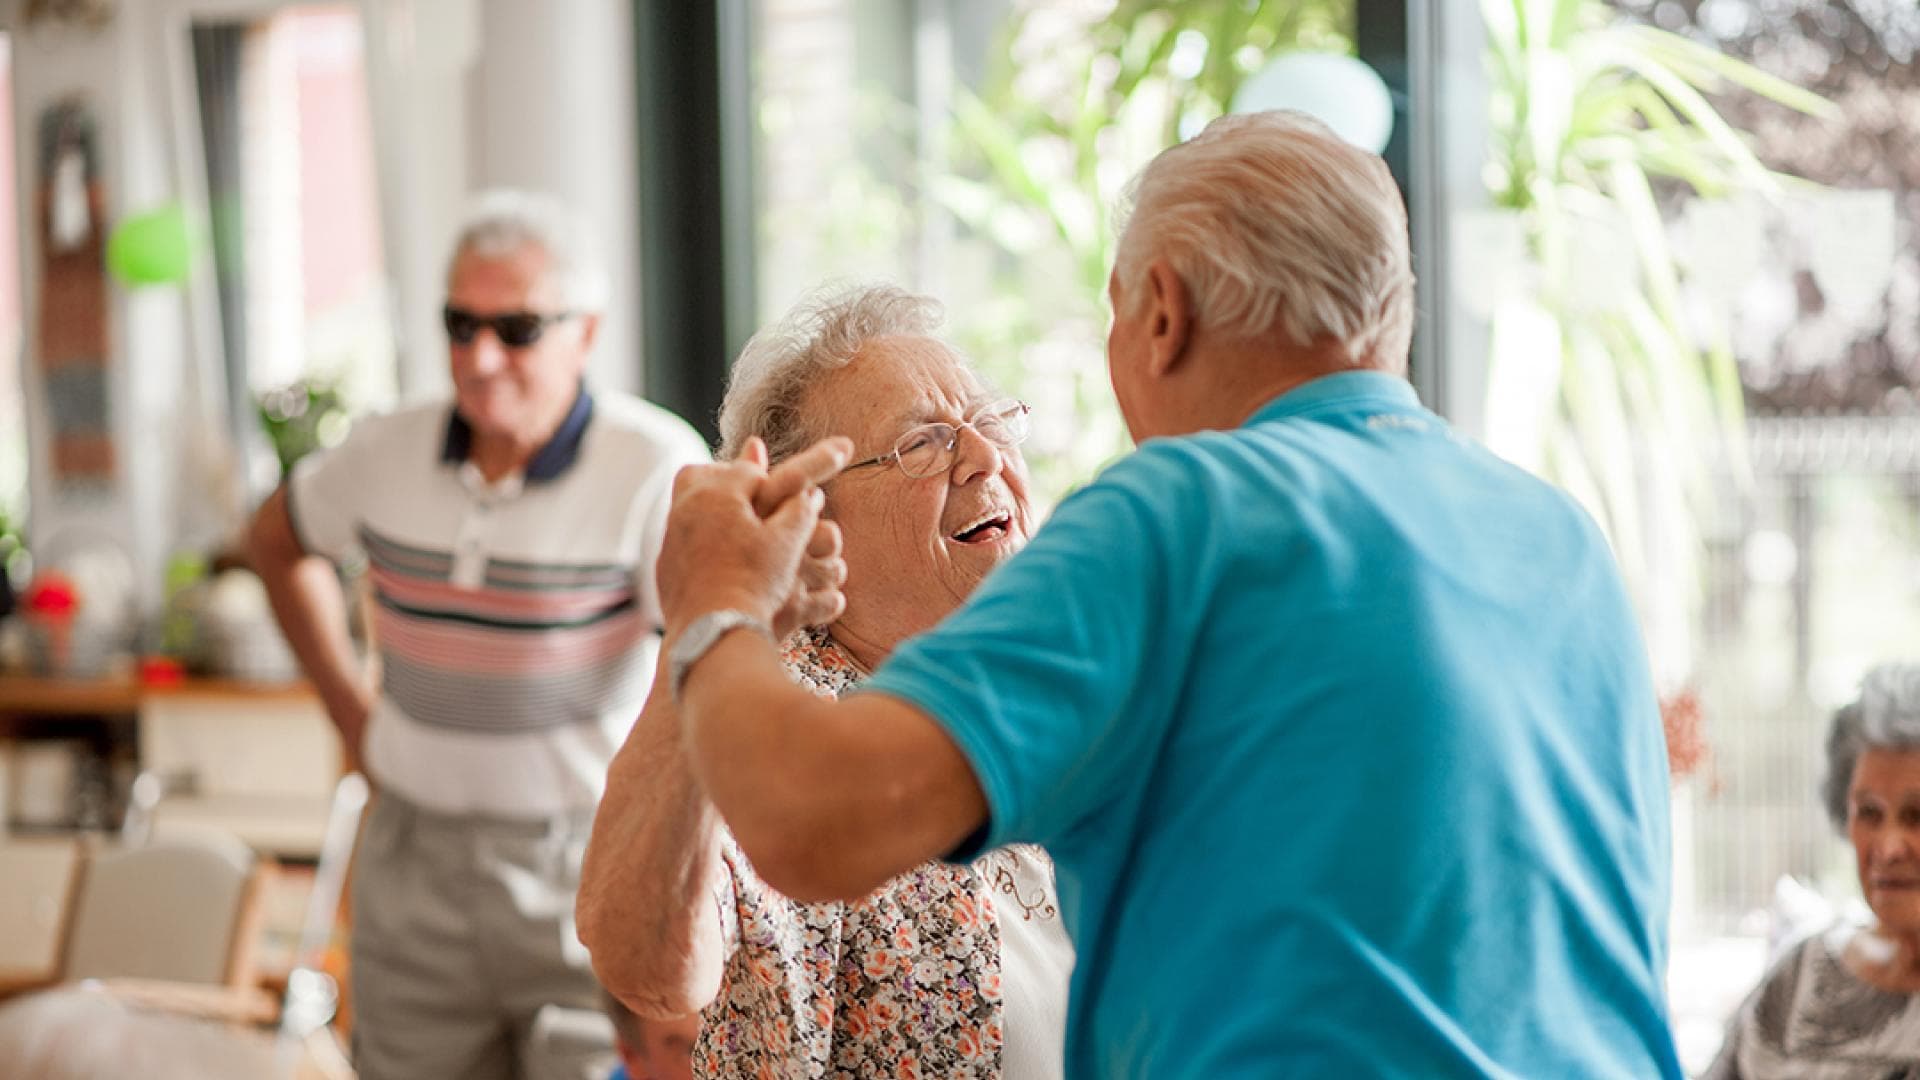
(1341, 735)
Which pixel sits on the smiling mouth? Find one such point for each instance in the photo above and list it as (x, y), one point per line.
(985, 531)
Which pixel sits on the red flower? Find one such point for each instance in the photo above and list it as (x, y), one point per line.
(51, 595)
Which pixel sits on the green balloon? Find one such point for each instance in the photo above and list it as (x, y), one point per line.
(153, 248)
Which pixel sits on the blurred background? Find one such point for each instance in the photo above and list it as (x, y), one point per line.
(1667, 254)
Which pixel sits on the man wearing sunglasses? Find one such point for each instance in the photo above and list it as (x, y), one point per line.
(510, 537)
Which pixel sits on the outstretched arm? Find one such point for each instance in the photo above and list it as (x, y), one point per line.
(648, 908)
(653, 888)
(829, 799)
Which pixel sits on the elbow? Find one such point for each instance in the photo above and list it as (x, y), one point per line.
(660, 963)
(649, 1000)
(647, 978)
(805, 868)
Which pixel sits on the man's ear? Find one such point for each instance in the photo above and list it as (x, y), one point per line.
(589, 331)
(1169, 318)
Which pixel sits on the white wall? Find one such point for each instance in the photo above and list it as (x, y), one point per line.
(552, 102)
(473, 94)
(418, 55)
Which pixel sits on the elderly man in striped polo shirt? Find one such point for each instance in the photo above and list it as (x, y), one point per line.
(510, 537)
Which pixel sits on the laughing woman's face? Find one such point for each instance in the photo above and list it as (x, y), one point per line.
(916, 545)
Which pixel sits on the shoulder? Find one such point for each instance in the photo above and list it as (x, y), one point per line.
(408, 439)
(1175, 490)
(1810, 989)
(626, 425)
(424, 423)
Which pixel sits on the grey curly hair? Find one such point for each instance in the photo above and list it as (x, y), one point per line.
(821, 333)
(1885, 716)
(503, 221)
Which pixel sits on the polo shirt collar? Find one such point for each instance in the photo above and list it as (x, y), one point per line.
(1376, 388)
(550, 461)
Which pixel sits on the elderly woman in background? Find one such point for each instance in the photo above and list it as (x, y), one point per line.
(1845, 1004)
(950, 971)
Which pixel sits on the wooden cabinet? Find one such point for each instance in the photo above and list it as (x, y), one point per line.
(259, 761)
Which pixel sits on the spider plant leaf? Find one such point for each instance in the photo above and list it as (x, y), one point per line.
(1679, 54)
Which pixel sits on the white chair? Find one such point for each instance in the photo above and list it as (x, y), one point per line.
(183, 909)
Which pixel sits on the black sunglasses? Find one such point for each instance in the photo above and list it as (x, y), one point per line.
(515, 329)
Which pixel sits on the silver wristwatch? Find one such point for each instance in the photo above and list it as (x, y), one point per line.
(701, 635)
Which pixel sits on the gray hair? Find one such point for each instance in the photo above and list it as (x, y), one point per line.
(822, 333)
(1277, 227)
(503, 222)
(1885, 717)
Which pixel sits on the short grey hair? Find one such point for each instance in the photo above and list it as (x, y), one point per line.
(502, 222)
(823, 332)
(1886, 716)
(1277, 227)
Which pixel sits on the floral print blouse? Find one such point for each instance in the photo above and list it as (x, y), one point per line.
(903, 983)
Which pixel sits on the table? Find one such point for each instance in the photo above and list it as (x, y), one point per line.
(258, 760)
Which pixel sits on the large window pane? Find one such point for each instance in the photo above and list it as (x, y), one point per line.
(289, 166)
(974, 150)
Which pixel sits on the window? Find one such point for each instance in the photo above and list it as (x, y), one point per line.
(973, 152)
(290, 180)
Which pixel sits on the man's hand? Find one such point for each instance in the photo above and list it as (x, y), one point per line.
(720, 552)
(350, 715)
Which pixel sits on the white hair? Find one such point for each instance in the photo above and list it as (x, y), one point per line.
(1277, 226)
(823, 332)
(1886, 716)
(503, 222)
(76, 1033)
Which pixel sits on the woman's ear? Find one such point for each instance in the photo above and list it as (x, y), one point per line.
(1169, 318)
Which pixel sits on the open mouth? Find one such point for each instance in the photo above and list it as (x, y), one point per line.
(995, 526)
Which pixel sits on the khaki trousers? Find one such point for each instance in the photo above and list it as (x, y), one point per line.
(465, 958)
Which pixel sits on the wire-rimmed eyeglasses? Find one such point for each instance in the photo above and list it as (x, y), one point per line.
(928, 449)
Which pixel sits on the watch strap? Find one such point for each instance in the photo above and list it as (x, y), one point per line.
(699, 638)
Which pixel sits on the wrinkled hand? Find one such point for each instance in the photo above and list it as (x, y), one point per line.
(740, 536)
(815, 599)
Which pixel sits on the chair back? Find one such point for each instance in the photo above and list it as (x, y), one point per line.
(39, 878)
(181, 909)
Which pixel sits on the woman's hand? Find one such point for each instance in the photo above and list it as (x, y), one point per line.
(743, 537)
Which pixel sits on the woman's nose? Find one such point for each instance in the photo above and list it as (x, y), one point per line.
(1895, 843)
(974, 457)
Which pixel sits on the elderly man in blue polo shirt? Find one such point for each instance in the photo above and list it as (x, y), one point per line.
(510, 538)
(1339, 729)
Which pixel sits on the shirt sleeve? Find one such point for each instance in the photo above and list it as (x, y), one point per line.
(1060, 675)
(326, 490)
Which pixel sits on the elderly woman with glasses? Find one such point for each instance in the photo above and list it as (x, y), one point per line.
(947, 970)
(1845, 1004)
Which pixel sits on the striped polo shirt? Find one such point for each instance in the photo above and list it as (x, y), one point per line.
(517, 622)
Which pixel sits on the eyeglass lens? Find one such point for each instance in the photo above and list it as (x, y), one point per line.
(515, 329)
(929, 449)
